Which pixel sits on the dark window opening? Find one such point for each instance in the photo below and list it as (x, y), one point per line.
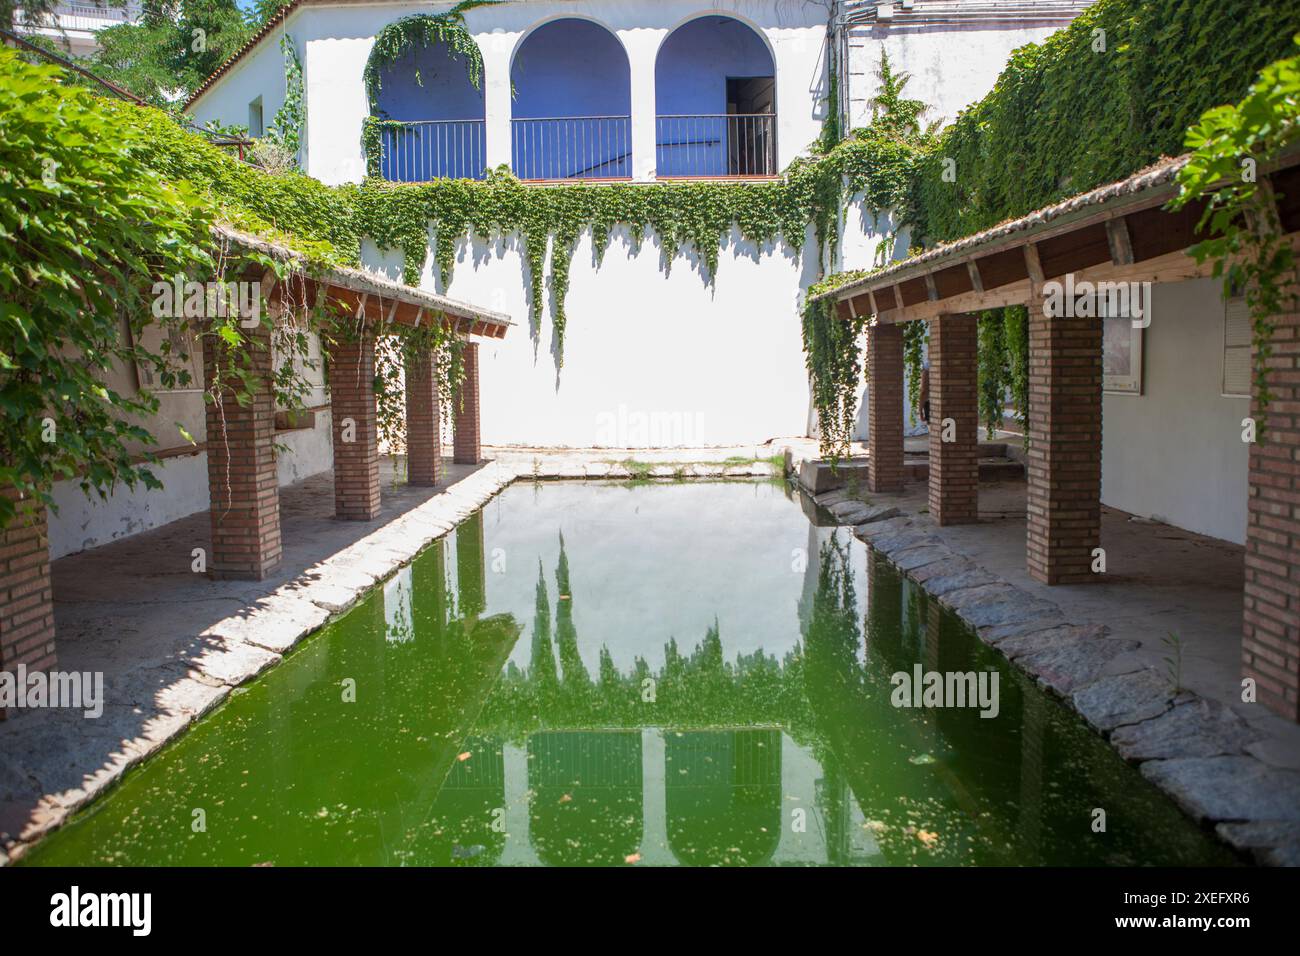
(751, 126)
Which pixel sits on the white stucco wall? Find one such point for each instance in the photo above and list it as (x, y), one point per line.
(260, 73)
(951, 65)
(80, 522)
(1175, 452)
(650, 358)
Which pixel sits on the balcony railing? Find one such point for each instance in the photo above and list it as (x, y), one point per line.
(81, 16)
(572, 147)
(433, 149)
(718, 145)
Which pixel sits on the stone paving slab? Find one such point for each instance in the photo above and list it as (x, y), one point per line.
(1196, 728)
(1228, 788)
(1273, 843)
(1124, 699)
(1074, 663)
(919, 557)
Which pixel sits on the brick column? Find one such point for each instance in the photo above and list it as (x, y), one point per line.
(1270, 643)
(356, 434)
(954, 395)
(422, 432)
(885, 399)
(1064, 485)
(26, 598)
(243, 490)
(465, 443)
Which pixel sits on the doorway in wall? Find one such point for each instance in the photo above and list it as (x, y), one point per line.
(751, 126)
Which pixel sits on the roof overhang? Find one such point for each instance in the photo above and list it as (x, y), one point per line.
(376, 298)
(1120, 231)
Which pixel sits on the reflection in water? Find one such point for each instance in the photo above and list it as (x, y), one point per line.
(724, 796)
(609, 734)
(586, 796)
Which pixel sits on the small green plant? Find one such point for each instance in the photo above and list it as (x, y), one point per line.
(1174, 660)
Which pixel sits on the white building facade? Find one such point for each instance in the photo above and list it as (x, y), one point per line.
(666, 89)
(665, 81)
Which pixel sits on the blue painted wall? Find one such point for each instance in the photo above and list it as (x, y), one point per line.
(444, 92)
(571, 68)
(691, 79)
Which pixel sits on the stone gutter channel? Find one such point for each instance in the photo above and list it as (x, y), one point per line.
(1190, 747)
(241, 647)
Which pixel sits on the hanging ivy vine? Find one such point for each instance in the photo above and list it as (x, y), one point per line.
(417, 32)
(1249, 247)
(290, 118)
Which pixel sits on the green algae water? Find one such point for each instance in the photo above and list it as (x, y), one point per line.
(623, 674)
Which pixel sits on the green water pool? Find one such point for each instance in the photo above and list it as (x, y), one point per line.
(634, 674)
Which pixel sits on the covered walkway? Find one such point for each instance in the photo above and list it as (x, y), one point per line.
(1117, 238)
(245, 535)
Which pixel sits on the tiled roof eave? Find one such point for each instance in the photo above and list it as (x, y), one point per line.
(367, 284)
(1152, 186)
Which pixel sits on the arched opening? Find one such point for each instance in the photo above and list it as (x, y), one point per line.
(433, 116)
(723, 796)
(586, 798)
(573, 104)
(715, 86)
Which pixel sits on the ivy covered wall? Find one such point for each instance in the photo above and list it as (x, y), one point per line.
(1109, 94)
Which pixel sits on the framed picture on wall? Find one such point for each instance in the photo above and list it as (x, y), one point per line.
(1121, 355)
(184, 356)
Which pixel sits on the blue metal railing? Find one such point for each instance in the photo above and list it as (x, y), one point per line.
(716, 145)
(572, 147)
(419, 151)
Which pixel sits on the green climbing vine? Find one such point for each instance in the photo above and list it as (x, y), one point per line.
(396, 347)
(421, 30)
(833, 356)
(1248, 243)
(286, 128)
(424, 218)
(876, 163)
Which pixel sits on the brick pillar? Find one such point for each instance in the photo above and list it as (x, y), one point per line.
(465, 443)
(954, 395)
(1064, 485)
(26, 598)
(243, 490)
(885, 400)
(356, 434)
(422, 431)
(1270, 643)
